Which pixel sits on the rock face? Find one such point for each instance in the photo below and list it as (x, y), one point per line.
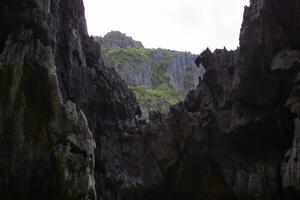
(158, 77)
(259, 45)
(116, 39)
(68, 127)
(219, 150)
(236, 136)
(47, 149)
(140, 66)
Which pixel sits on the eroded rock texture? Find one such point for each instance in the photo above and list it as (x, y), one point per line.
(149, 67)
(47, 149)
(236, 135)
(68, 127)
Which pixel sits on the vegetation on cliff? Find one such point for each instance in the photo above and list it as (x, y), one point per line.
(157, 98)
(158, 77)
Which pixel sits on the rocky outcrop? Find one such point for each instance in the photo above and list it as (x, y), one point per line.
(158, 77)
(69, 127)
(47, 149)
(47, 142)
(287, 63)
(140, 66)
(134, 68)
(180, 69)
(236, 135)
(214, 149)
(259, 45)
(116, 39)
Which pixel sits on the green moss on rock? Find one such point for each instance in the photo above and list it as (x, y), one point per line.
(158, 98)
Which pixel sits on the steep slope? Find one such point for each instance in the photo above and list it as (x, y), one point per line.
(236, 136)
(159, 77)
(150, 67)
(47, 151)
(230, 137)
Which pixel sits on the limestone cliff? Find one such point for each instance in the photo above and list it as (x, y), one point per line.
(116, 39)
(236, 135)
(69, 125)
(57, 97)
(140, 66)
(159, 77)
(47, 148)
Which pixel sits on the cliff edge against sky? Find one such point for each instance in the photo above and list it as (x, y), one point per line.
(70, 127)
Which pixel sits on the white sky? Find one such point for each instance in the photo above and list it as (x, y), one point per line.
(184, 25)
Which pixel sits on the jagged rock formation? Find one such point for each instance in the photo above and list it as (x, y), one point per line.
(230, 137)
(47, 62)
(47, 149)
(236, 136)
(259, 45)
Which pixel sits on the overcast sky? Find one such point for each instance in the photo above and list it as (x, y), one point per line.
(185, 25)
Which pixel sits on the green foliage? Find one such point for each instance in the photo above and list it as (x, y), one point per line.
(156, 98)
(112, 36)
(137, 56)
(189, 78)
(159, 71)
(161, 94)
(169, 93)
(120, 55)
